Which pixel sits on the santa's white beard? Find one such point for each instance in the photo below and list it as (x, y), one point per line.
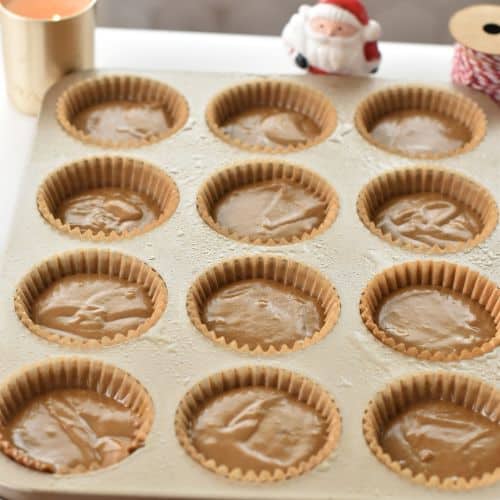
(336, 54)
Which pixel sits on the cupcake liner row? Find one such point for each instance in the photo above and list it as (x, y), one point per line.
(268, 93)
(96, 377)
(290, 277)
(121, 173)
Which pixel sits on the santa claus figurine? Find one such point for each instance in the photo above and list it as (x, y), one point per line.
(334, 36)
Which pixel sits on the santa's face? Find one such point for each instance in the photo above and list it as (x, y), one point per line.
(323, 26)
(333, 46)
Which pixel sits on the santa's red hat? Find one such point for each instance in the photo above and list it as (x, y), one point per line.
(348, 11)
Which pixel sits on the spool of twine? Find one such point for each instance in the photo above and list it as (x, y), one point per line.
(476, 61)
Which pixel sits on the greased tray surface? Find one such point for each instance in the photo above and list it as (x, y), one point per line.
(350, 363)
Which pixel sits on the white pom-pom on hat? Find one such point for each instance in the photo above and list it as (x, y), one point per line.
(372, 31)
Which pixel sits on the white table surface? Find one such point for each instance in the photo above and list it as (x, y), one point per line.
(150, 50)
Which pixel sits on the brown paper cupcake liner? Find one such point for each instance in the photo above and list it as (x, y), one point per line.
(72, 373)
(397, 98)
(445, 275)
(399, 395)
(304, 389)
(253, 172)
(107, 172)
(124, 88)
(428, 179)
(275, 93)
(89, 261)
(274, 268)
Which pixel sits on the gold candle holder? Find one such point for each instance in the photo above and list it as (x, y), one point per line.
(38, 53)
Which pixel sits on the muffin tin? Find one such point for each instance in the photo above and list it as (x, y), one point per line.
(172, 357)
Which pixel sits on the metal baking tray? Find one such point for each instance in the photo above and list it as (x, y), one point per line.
(350, 363)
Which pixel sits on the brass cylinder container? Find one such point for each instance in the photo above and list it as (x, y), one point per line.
(37, 53)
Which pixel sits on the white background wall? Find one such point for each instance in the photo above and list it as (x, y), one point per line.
(402, 20)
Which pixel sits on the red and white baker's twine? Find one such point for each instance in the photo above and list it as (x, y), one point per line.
(477, 70)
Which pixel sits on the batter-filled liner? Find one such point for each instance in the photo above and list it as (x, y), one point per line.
(423, 394)
(133, 183)
(455, 113)
(303, 283)
(304, 391)
(279, 175)
(416, 287)
(272, 96)
(165, 105)
(111, 271)
(73, 375)
(441, 187)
